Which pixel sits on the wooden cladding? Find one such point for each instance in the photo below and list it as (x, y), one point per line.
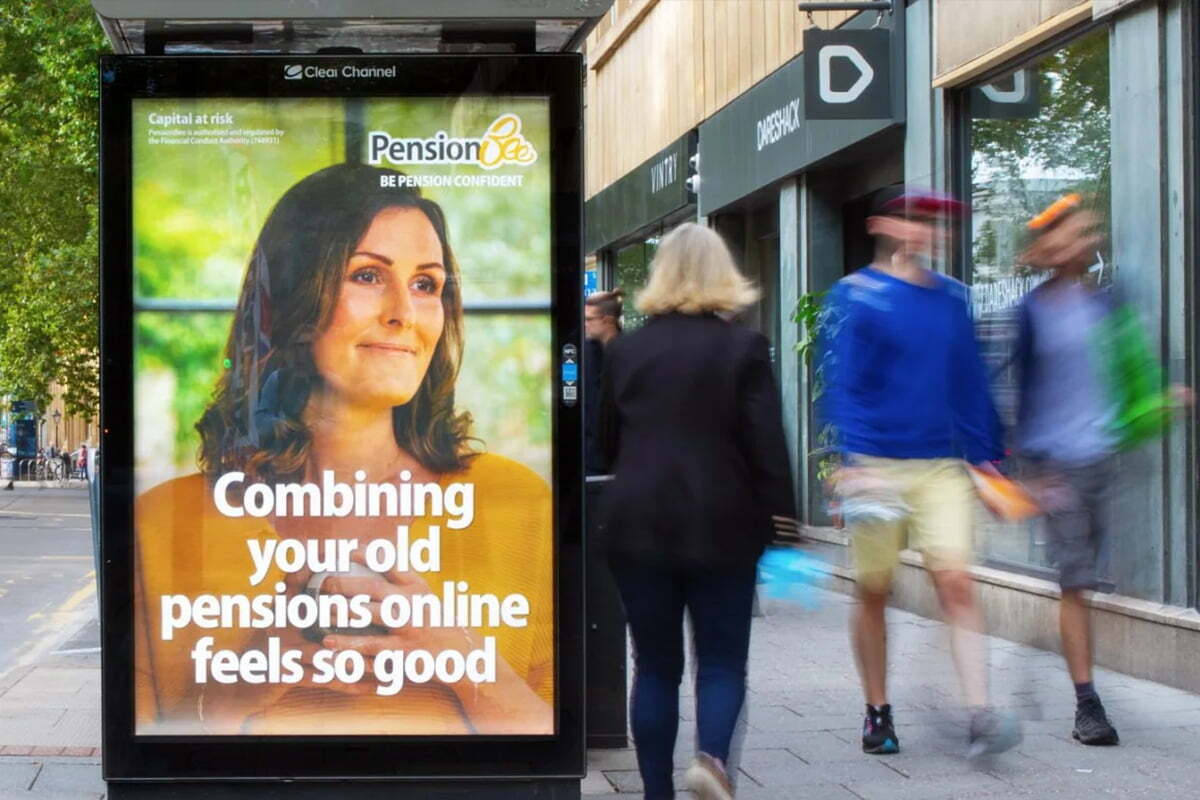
(661, 67)
(961, 39)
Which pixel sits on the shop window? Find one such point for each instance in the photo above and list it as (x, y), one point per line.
(631, 269)
(1035, 134)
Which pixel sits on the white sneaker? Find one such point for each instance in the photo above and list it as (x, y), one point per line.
(706, 777)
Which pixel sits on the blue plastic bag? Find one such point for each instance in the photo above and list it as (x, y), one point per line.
(791, 574)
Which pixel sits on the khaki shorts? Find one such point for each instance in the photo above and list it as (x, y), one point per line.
(942, 499)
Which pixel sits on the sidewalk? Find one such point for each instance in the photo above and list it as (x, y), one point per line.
(805, 709)
(50, 722)
(802, 735)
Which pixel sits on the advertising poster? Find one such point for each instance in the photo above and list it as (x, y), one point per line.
(343, 519)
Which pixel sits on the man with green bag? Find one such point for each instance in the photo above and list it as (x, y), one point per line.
(1089, 387)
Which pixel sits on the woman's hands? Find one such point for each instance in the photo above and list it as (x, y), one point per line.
(224, 708)
(379, 587)
(507, 705)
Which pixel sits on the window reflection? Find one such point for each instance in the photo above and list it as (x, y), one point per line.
(1036, 133)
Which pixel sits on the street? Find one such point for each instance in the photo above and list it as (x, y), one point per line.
(47, 581)
(49, 646)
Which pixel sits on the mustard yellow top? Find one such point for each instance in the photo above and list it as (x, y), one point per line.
(184, 545)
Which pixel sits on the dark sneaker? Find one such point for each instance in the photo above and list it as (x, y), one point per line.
(879, 735)
(707, 778)
(992, 732)
(1092, 725)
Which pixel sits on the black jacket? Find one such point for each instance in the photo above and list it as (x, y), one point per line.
(692, 424)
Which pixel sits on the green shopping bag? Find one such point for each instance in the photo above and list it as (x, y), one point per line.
(1134, 377)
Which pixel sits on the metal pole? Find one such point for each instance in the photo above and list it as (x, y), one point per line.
(857, 5)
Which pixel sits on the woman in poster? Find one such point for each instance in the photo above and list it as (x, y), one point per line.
(342, 359)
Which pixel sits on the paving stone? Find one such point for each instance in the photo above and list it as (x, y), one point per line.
(823, 791)
(954, 786)
(1066, 755)
(631, 782)
(595, 785)
(1152, 704)
(866, 769)
(775, 719)
(81, 751)
(1012, 766)
(913, 764)
(17, 777)
(758, 764)
(813, 747)
(1170, 740)
(1164, 719)
(612, 759)
(66, 778)
(1082, 785)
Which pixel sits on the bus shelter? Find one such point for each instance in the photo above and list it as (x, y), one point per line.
(341, 526)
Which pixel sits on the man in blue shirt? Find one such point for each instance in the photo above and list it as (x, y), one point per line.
(906, 394)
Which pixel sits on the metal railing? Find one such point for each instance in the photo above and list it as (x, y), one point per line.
(45, 470)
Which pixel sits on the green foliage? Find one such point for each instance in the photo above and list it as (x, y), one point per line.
(1071, 129)
(1020, 165)
(48, 201)
(188, 348)
(501, 238)
(631, 272)
(986, 243)
(198, 209)
(807, 314)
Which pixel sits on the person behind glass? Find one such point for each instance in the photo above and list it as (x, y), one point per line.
(907, 396)
(601, 324)
(691, 420)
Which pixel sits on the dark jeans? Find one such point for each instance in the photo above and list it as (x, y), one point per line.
(718, 601)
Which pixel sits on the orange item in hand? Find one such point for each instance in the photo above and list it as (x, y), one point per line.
(1006, 499)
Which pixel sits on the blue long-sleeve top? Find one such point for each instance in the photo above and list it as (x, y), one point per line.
(900, 372)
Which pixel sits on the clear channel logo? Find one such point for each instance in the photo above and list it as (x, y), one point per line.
(295, 72)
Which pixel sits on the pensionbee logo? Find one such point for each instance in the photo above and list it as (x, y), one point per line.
(502, 143)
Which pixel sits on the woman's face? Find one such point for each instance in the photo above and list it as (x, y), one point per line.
(389, 315)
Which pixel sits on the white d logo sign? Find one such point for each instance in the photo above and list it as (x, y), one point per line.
(1013, 95)
(866, 74)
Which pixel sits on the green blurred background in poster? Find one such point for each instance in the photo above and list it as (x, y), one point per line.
(198, 209)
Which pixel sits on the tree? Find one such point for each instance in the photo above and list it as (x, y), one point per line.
(986, 245)
(49, 201)
(1069, 135)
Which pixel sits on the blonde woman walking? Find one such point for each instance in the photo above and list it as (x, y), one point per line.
(693, 426)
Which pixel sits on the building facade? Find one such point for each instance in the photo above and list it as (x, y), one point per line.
(1006, 103)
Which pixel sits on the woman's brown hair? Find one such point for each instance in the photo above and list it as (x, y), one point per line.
(255, 421)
